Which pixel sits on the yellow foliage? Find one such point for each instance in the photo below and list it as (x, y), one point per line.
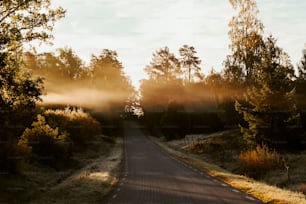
(260, 159)
(81, 126)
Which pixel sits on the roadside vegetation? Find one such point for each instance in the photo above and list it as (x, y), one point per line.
(282, 169)
(220, 157)
(61, 118)
(52, 132)
(258, 97)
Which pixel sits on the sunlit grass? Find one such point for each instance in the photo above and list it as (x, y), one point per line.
(90, 184)
(261, 190)
(260, 160)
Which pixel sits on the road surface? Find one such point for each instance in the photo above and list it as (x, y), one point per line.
(152, 176)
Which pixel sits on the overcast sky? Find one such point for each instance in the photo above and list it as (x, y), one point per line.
(137, 28)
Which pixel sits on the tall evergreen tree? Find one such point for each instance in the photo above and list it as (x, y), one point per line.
(164, 82)
(107, 72)
(164, 66)
(269, 106)
(108, 76)
(190, 62)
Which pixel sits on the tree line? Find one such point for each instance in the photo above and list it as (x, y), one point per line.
(63, 71)
(258, 89)
(51, 136)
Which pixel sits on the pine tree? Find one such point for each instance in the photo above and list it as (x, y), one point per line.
(162, 86)
(269, 106)
(164, 66)
(108, 76)
(191, 63)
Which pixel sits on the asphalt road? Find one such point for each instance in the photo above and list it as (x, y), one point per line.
(152, 176)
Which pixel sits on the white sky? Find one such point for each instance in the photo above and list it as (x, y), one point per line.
(137, 28)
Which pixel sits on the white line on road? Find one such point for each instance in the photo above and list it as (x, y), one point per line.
(236, 191)
(250, 198)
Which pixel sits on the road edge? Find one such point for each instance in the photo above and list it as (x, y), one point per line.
(243, 183)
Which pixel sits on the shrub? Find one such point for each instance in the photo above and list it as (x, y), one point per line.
(47, 143)
(258, 161)
(80, 125)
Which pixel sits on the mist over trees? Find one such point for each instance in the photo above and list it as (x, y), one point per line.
(64, 72)
(258, 89)
(26, 77)
(164, 81)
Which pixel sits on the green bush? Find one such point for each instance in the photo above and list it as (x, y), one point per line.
(258, 161)
(50, 146)
(81, 126)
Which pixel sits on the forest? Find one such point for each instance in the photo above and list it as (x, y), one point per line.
(53, 104)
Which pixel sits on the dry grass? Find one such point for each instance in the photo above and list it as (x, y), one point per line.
(73, 113)
(260, 160)
(88, 176)
(261, 190)
(225, 151)
(88, 185)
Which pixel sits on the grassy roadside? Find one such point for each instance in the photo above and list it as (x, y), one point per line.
(266, 193)
(90, 184)
(86, 178)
